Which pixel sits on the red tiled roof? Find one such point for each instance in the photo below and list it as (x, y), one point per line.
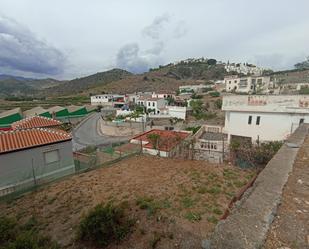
(35, 122)
(167, 141)
(22, 139)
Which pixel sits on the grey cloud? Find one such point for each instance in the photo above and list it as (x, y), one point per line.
(156, 49)
(181, 29)
(21, 50)
(156, 27)
(277, 61)
(131, 58)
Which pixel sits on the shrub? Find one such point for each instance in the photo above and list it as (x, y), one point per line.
(212, 219)
(104, 225)
(7, 227)
(15, 236)
(193, 216)
(218, 103)
(148, 204)
(214, 94)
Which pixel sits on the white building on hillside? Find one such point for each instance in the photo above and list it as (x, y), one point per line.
(114, 100)
(154, 104)
(264, 117)
(163, 95)
(192, 88)
(244, 68)
(249, 84)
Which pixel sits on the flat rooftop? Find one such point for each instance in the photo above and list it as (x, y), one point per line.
(266, 103)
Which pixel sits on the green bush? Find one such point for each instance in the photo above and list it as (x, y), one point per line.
(15, 236)
(214, 94)
(7, 229)
(104, 225)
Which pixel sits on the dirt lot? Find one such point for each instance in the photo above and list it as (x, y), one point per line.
(290, 228)
(191, 197)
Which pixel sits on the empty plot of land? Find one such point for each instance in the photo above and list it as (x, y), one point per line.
(175, 203)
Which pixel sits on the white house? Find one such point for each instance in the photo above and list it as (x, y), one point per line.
(154, 104)
(163, 95)
(115, 100)
(264, 117)
(260, 84)
(244, 68)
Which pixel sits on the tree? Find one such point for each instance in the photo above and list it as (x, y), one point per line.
(154, 140)
(212, 62)
(303, 65)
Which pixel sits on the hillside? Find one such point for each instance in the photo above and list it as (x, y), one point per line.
(20, 86)
(168, 77)
(79, 85)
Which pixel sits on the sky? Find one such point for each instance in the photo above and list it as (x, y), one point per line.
(65, 39)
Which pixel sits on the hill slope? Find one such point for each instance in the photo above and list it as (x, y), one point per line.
(168, 77)
(81, 84)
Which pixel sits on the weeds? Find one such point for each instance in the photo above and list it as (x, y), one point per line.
(155, 240)
(15, 236)
(104, 225)
(212, 219)
(193, 216)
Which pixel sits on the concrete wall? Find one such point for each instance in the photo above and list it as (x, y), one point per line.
(247, 225)
(17, 172)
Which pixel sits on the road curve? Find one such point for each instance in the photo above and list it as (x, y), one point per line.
(87, 134)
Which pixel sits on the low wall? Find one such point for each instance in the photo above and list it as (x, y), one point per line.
(247, 225)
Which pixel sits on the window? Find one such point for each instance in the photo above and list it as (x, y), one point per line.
(149, 104)
(258, 119)
(153, 103)
(250, 120)
(301, 121)
(51, 156)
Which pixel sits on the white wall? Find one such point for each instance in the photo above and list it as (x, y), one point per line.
(177, 112)
(273, 126)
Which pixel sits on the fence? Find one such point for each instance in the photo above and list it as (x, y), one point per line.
(97, 156)
(91, 157)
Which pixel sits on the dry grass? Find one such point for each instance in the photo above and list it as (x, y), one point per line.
(174, 202)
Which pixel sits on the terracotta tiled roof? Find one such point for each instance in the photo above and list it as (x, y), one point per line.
(23, 139)
(167, 141)
(35, 122)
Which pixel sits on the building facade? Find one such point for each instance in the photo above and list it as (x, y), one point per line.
(44, 155)
(264, 117)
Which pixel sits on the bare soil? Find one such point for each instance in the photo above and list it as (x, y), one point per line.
(290, 228)
(191, 197)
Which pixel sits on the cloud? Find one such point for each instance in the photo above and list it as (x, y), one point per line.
(131, 58)
(21, 50)
(155, 29)
(277, 61)
(180, 30)
(136, 60)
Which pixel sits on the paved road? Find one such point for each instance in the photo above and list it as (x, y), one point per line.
(87, 134)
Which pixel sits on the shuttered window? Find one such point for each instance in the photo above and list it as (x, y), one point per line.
(51, 156)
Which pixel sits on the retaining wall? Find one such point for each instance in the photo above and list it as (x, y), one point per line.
(247, 225)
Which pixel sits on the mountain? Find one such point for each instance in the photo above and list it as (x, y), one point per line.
(79, 85)
(19, 86)
(167, 77)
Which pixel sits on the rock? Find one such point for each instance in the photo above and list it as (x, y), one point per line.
(299, 181)
(206, 244)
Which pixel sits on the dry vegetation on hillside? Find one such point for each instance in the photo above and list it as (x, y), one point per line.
(174, 203)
